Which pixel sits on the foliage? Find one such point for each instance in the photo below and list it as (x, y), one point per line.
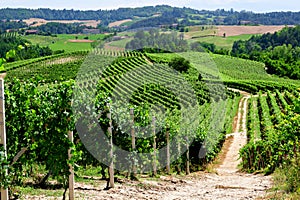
(166, 19)
(186, 16)
(11, 25)
(60, 28)
(199, 46)
(180, 64)
(279, 142)
(153, 39)
(22, 48)
(39, 120)
(287, 177)
(279, 51)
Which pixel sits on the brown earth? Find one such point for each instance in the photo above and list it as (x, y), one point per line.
(40, 22)
(118, 23)
(81, 41)
(240, 30)
(113, 48)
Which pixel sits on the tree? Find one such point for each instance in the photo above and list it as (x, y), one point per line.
(180, 64)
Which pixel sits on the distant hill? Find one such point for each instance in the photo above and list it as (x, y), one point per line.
(160, 15)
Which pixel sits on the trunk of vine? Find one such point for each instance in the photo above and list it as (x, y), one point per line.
(44, 180)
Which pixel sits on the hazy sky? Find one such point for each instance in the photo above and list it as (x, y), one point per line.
(253, 5)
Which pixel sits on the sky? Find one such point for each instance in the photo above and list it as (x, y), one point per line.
(238, 5)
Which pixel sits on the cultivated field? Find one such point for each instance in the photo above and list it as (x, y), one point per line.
(118, 23)
(67, 42)
(34, 22)
(240, 30)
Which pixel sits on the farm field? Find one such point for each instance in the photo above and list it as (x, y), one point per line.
(34, 22)
(214, 34)
(221, 42)
(65, 41)
(240, 30)
(118, 23)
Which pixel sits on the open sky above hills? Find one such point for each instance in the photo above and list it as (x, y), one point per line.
(250, 5)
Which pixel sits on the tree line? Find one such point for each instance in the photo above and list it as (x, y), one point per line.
(60, 28)
(15, 48)
(279, 51)
(185, 16)
(14, 25)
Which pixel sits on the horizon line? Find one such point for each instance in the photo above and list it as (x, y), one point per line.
(110, 9)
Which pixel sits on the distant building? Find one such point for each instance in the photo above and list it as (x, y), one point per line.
(245, 23)
(11, 30)
(91, 31)
(115, 38)
(31, 32)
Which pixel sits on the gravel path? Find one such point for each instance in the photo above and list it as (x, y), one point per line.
(226, 184)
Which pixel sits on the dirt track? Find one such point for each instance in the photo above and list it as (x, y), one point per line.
(226, 183)
(118, 23)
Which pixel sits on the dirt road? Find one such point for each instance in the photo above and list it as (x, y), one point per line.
(226, 183)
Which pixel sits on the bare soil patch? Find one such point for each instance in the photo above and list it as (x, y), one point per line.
(62, 60)
(240, 30)
(113, 48)
(81, 41)
(118, 23)
(34, 22)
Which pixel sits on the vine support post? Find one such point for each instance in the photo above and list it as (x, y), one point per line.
(154, 147)
(4, 192)
(168, 150)
(133, 141)
(187, 156)
(71, 176)
(111, 166)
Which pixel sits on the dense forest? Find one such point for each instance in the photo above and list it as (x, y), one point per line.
(15, 25)
(279, 51)
(105, 15)
(154, 40)
(60, 28)
(191, 16)
(165, 18)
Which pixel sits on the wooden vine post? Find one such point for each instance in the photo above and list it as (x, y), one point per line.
(111, 166)
(71, 176)
(168, 150)
(187, 156)
(4, 192)
(154, 147)
(133, 141)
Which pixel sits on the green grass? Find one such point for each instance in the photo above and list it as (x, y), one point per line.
(31, 191)
(228, 68)
(61, 42)
(195, 31)
(120, 43)
(221, 42)
(89, 171)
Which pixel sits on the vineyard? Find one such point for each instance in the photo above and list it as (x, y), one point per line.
(39, 114)
(118, 101)
(271, 143)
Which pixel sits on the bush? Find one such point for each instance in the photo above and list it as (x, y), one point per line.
(287, 178)
(180, 64)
